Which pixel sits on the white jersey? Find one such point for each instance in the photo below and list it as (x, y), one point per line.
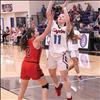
(58, 43)
(73, 44)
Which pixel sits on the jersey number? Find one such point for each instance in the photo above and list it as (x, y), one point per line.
(57, 39)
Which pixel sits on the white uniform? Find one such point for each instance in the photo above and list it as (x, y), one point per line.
(73, 46)
(57, 48)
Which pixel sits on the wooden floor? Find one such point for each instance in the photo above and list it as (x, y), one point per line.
(11, 58)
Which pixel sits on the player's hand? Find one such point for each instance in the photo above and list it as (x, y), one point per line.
(65, 4)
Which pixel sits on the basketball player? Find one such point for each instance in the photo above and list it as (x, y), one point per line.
(31, 43)
(57, 50)
(73, 38)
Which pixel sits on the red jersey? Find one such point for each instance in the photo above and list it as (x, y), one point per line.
(32, 54)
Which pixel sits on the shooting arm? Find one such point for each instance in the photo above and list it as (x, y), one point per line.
(40, 38)
(67, 18)
(49, 9)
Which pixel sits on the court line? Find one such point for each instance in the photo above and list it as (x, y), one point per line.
(94, 61)
(85, 79)
(62, 82)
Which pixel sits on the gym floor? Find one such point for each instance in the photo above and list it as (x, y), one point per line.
(87, 89)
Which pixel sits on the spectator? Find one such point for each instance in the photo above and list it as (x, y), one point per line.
(97, 24)
(5, 34)
(43, 11)
(77, 19)
(19, 34)
(0, 34)
(89, 8)
(79, 8)
(89, 27)
(7, 29)
(74, 8)
(81, 27)
(71, 15)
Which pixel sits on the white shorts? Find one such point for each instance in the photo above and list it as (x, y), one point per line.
(60, 62)
(74, 53)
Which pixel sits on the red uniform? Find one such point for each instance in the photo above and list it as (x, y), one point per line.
(30, 64)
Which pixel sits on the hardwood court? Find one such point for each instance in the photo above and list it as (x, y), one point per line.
(87, 89)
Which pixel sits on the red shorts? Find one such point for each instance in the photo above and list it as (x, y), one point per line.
(31, 71)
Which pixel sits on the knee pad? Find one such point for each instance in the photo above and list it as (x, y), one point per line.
(46, 86)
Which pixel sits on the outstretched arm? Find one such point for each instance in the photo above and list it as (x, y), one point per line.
(47, 30)
(67, 18)
(40, 38)
(49, 9)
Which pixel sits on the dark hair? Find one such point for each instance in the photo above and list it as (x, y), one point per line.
(25, 37)
(70, 36)
(57, 11)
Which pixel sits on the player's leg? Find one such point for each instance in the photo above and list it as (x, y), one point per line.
(51, 64)
(71, 67)
(45, 86)
(37, 74)
(52, 71)
(24, 79)
(57, 84)
(54, 76)
(76, 66)
(23, 88)
(63, 68)
(74, 57)
(66, 83)
(75, 61)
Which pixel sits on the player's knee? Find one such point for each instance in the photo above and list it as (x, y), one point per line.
(75, 61)
(46, 86)
(53, 75)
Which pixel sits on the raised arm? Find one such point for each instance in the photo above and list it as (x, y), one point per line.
(49, 18)
(40, 38)
(47, 30)
(49, 9)
(67, 18)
